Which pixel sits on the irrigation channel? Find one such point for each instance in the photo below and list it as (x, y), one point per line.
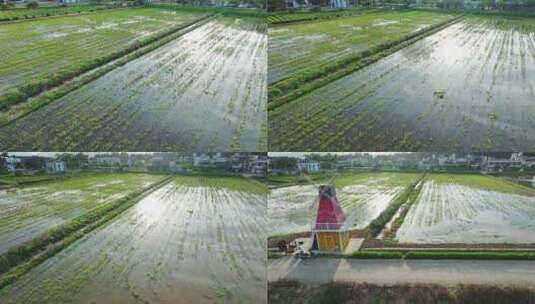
(319, 271)
(203, 90)
(190, 241)
(467, 87)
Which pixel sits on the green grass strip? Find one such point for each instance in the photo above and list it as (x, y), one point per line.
(25, 14)
(292, 18)
(33, 88)
(289, 89)
(396, 224)
(63, 88)
(378, 224)
(230, 12)
(21, 259)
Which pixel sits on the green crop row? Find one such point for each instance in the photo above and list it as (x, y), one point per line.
(28, 13)
(99, 66)
(32, 88)
(19, 260)
(378, 224)
(396, 224)
(236, 12)
(288, 18)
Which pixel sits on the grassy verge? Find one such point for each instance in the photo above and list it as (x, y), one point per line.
(21, 259)
(33, 88)
(32, 179)
(280, 181)
(64, 87)
(293, 292)
(378, 224)
(479, 12)
(289, 18)
(398, 221)
(230, 12)
(235, 183)
(443, 255)
(274, 255)
(286, 90)
(25, 14)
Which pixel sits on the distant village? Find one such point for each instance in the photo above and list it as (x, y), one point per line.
(251, 164)
(484, 163)
(292, 5)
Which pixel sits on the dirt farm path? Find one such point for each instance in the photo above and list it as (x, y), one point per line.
(446, 272)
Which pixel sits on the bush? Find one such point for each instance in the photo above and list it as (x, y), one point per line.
(32, 4)
(7, 6)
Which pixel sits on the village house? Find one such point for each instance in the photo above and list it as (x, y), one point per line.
(279, 5)
(24, 164)
(309, 166)
(211, 159)
(55, 166)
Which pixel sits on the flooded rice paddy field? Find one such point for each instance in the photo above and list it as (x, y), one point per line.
(468, 87)
(296, 47)
(362, 197)
(180, 244)
(37, 49)
(27, 212)
(204, 90)
(470, 209)
(45, 11)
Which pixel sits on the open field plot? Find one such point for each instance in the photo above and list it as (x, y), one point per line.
(470, 209)
(298, 16)
(205, 89)
(187, 242)
(37, 50)
(27, 13)
(362, 197)
(468, 87)
(12, 180)
(295, 48)
(27, 212)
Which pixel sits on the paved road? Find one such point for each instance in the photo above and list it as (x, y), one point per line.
(446, 272)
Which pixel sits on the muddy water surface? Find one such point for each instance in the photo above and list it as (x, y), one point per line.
(469, 86)
(27, 212)
(178, 245)
(203, 91)
(452, 213)
(293, 209)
